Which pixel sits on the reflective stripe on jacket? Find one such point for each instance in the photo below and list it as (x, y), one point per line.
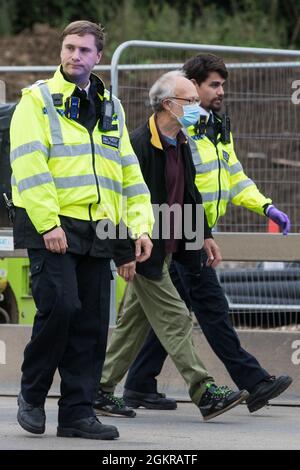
(220, 178)
(59, 168)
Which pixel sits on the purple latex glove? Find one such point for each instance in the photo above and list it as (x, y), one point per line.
(280, 218)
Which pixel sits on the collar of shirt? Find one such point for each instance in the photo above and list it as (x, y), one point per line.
(95, 85)
(86, 89)
(170, 140)
(166, 143)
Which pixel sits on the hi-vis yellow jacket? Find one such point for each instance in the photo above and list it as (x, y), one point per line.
(220, 178)
(59, 168)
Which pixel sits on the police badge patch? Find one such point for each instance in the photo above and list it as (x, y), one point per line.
(111, 141)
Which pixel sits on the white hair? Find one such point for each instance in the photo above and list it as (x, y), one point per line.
(163, 88)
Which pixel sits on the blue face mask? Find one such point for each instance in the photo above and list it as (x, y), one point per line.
(191, 115)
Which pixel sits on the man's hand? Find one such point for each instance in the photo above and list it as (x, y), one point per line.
(56, 241)
(127, 271)
(213, 253)
(143, 248)
(280, 218)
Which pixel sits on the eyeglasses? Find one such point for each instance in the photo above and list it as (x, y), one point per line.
(189, 100)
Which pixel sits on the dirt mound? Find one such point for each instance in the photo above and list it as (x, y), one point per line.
(40, 46)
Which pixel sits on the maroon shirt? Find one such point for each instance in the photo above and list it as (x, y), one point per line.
(175, 184)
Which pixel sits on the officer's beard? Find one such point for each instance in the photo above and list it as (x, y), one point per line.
(216, 105)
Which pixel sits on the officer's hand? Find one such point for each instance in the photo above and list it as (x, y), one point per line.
(56, 241)
(143, 248)
(213, 253)
(280, 218)
(127, 271)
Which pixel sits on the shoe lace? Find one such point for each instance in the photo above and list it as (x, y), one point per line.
(115, 400)
(219, 392)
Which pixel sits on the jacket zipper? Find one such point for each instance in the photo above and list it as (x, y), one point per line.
(95, 174)
(215, 143)
(219, 181)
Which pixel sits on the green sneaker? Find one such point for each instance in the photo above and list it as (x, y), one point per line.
(217, 400)
(108, 404)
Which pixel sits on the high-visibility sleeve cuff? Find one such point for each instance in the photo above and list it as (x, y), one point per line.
(136, 232)
(47, 227)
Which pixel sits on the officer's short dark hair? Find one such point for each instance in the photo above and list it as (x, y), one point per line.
(200, 66)
(83, 27)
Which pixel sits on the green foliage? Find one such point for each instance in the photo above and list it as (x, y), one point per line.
(251, 27)
(7, 17)
(246, 28)
(258, 23)
(24, 14)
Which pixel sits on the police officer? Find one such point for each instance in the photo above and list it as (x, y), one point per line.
(220, 179)
(72, 164)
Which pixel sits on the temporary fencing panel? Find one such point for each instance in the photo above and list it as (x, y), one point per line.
(261, 96)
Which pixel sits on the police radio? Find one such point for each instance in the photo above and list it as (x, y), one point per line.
(225, 128)
(107, 113)
(200, 127)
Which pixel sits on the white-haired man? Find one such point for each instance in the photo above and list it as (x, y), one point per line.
(169, 173)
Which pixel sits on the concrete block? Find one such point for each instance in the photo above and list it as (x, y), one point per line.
(278, 352)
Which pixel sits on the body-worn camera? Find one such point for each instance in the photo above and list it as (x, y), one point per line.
(225, 128)
(107, 113)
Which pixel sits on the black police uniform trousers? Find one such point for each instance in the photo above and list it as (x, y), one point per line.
(206, 298)
(72, 296)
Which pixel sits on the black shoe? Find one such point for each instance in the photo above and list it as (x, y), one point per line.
(87, 428)
(151, 401)
(32, 418)
(217, 400)
(108, 405)
(266, 390)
